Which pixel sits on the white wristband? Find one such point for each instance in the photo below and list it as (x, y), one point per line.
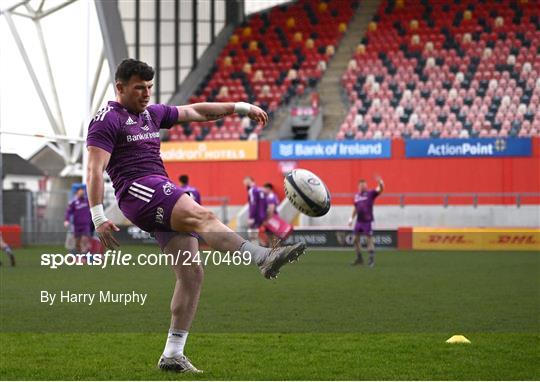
(98, 216)
(242, 108)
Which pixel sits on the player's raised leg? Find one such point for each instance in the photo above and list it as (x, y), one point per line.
(188, 216)
(189, 278)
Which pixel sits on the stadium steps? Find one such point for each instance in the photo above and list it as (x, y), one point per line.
(329, 87)
(272, 132)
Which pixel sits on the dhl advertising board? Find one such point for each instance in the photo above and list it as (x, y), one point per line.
(209, 151)
(497, 239)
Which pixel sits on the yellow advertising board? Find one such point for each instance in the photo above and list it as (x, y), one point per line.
(497, 239)
(209, 151)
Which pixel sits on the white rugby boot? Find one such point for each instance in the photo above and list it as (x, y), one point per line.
(280, 256)
(180, 364)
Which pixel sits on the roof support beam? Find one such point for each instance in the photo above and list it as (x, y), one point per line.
(113, 33)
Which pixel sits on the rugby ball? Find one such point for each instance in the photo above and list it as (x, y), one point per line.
(307, 192)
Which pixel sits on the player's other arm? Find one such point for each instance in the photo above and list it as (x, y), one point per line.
(210, 111)
(351, 219)
(271, 209)
(380, 185)
(97, 162)
(69, 213)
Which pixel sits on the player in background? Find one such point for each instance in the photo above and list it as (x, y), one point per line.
(78, 213)
(189, 189)
(7, 249)
(257, 206)
(272, 201)
(363, 212)
(123, 139)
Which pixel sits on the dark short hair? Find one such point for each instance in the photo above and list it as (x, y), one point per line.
(130, 67)
(362, 181)
(269, 185)
(183, 179)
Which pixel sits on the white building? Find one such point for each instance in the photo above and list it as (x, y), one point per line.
(20, 174)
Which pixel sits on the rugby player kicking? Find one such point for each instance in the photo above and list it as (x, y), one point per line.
(123, 139)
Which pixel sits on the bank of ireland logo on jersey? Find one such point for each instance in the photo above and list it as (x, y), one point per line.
(168, 188)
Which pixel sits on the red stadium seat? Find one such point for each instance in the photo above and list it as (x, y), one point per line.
(324, 33)
(483, 61)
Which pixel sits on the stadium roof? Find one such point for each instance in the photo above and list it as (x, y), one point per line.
(48, 159)
(13, 164)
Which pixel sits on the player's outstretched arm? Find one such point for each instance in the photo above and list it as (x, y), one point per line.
(97, 162)
(210, 111)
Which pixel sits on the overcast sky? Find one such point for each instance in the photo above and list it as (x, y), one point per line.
(65, 34)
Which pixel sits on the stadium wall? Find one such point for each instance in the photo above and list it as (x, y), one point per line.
(392, 217)
(401, 174)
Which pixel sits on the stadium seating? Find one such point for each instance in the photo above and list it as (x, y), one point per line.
(269, 59)
(428, 69)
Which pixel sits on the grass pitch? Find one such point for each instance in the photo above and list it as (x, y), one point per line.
(321, 319)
